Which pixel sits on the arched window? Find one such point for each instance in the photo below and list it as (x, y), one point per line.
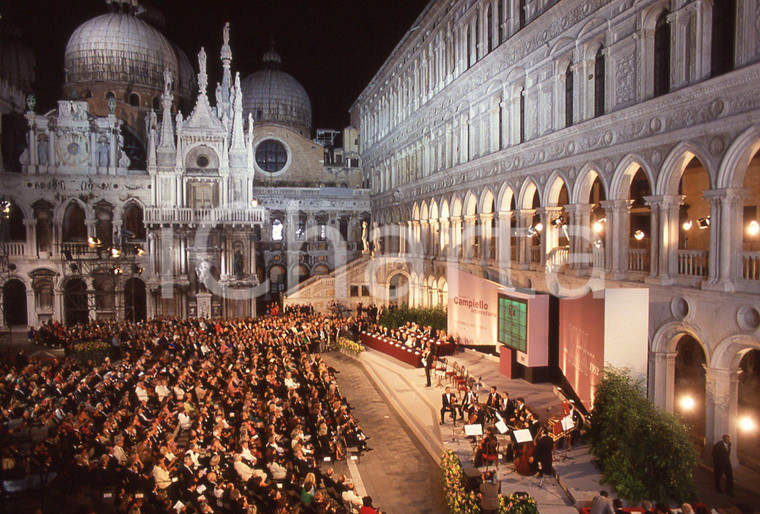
(500, 20)
(723, 35)
(662, 55)
(74, 228)
(134, 99)
(156, 103)
(489, 28)
(522, 115)
(599, 82)
(468, 38)
(569, 95)
(134, 227)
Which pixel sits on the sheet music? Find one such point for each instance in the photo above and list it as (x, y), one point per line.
(522, 436)
(473, 429)
(502, 427)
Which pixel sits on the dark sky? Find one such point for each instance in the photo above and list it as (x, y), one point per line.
(332, 47)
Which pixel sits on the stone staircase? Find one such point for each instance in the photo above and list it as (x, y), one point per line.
(321, 290)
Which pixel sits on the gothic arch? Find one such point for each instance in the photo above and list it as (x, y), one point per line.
(456, 205)
(621, 180)
(487, 202)
(416, 211)
(424, 212)
(733, 167)
(553, 187)
(434, 214)
(527, 190)
(674, 165)
(563, 44)
(504, 203)
(445, 212)
(470, 204)
(61, 210)
(585, 180)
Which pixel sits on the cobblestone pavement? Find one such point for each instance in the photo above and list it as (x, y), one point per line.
(399, 474)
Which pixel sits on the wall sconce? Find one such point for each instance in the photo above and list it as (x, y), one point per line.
(599, 225)
(639, 235)
(687, 225)
(559, 220)
(753, 228)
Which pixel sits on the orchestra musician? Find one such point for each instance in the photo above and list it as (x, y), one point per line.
(487, 446)
(449, 404)
(469, 400)
(492, 403)
(519, 414)
(507, 407)
(542, 455)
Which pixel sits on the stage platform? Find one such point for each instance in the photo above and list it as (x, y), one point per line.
(419, 406)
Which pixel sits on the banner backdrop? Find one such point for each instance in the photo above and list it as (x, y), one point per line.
(473, 307)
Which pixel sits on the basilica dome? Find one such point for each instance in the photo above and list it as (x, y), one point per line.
(271, 95)
(119, 48)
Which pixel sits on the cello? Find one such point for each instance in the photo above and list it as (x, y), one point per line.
(523, 459)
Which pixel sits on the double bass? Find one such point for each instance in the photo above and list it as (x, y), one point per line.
(523, 459)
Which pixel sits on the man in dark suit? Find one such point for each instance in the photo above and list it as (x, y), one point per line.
(449, 404)
(722, 464)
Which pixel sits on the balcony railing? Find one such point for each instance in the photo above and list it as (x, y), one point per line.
(638, 259)
(751, 265)
(558, 256)
(183, 215)
(15, 248)
(535, 253)
(692, 263)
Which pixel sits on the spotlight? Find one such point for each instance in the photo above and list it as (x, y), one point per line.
(559, 220)
(539, 226)
(254, 202)
(93, 241)
(598, 243)
(5, 206)
(141, 252)
(598, 227)
(753, 228)
(639, 235)
(531, 231)
(703, 223)
(687, 225)
(115, 252)
(116, 270)
(747, 424)
(687, 403)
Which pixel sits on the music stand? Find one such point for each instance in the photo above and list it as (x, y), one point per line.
(473, 430)
(567, 425)
(522, 435)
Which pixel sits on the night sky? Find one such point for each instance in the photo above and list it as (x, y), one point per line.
(332, 47)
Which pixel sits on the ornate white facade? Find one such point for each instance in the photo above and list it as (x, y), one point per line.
(579, 145)
(126, 208)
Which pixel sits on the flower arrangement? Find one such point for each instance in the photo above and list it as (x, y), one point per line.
(351, 346)
(461, 501)
(517, 503)
(89, 346)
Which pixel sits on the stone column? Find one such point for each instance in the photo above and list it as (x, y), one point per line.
(445, 233)
(581, 235)
(31, 236)
(469, 252)
(435, 240)
(486, 231)
(549, 235)
(524, 220)
(425, 237)
(726, 235)
(455, 238)
(504, 239)
(664, 228)
(662, 367)
(616, 240)
(721, 406)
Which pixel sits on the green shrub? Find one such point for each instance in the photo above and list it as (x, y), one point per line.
(644, 453)
(425, 316)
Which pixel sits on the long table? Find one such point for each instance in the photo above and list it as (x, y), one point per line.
(399, 351)
(392, 348)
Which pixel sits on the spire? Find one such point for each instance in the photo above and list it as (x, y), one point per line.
(238, 143)
(178, 155)
(249, 144)
(226, 60)
(151, 122)
(167, 130)
(271, 59)
(202, 115)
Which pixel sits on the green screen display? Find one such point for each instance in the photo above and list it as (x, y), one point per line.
(513, 323)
